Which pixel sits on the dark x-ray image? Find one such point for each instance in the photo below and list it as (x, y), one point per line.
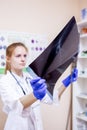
(60, 53)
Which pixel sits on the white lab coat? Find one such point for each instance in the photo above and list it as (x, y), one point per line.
(18, 117)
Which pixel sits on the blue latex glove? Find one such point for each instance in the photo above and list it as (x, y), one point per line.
(71, 78)
(39, 87)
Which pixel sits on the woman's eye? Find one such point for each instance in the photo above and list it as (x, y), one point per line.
(18, 55)
(21, 55)
(25, 55)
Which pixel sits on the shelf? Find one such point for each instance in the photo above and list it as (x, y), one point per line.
(83, 57)
(82, 96)
(82, 75)
(82, 23)
(80, 92)
(82, 117)
(83, 35)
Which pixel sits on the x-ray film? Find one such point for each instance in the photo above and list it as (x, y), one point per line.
(60, 53)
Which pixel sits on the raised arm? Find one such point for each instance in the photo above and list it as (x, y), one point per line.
(67, 81)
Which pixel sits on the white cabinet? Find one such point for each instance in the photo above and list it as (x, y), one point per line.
(79, 116)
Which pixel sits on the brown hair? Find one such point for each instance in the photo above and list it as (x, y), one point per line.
(9, 52)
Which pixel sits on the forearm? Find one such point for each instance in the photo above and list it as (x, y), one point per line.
(61, 90)
(28, 100)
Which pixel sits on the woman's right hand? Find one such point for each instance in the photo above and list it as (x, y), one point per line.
(39, 87)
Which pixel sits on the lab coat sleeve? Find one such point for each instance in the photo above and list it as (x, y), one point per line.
(9, 97)
(48, 100)
(15, 106)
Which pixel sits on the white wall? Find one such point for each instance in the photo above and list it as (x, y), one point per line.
(37, 16)
(41, 17)
(83, 4)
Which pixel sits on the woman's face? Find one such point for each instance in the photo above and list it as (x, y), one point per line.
(18, 58)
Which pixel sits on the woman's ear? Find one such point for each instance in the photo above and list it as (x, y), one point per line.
(7, 59)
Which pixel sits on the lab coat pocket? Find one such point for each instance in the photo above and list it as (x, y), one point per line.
(16, 122)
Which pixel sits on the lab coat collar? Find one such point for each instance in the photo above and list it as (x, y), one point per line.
(20, 79)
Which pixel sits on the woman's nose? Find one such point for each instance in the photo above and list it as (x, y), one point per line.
(23, 58)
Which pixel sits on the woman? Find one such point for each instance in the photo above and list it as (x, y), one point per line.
(21, 94)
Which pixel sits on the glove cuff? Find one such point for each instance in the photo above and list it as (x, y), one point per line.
(67, 81)
(38, 95)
